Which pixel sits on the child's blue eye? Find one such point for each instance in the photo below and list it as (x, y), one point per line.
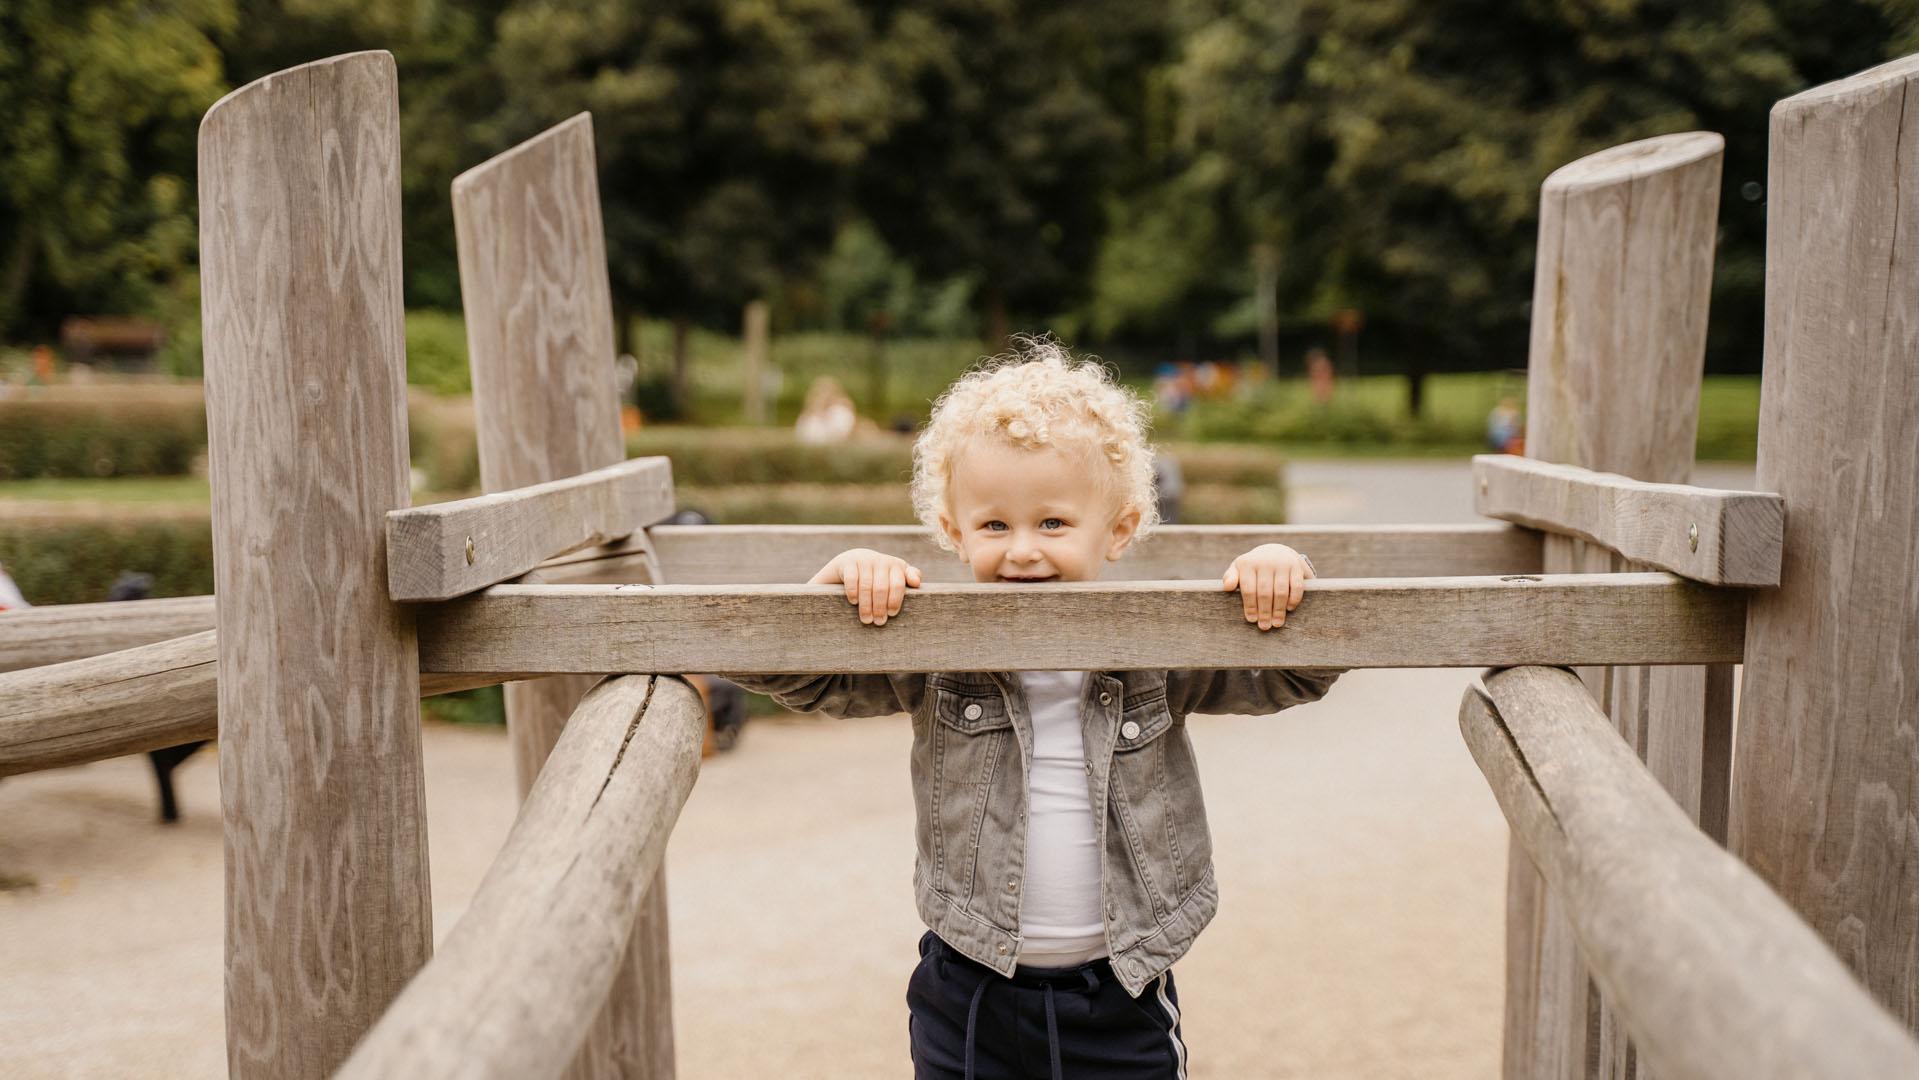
(1052, 523)
(995, 526)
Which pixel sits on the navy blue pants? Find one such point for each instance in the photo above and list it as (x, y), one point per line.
(968, 1022)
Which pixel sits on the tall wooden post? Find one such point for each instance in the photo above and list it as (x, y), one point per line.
(1620, 296)
(754, 324)
(1826, 798)
(539, 325)
(327, 910)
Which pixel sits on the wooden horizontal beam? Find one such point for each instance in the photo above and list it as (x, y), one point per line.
(162, 694)
(1714, 975)
(31, 637)
(125, 702)
(452, 548)
(1360, 622)
(1718, 537)
(772, 554)
(515, 986)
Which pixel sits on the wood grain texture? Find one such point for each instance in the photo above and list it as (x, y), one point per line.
(30, 637)
(534, 288)
(1826, 801)
(1718, 537)
(772, 554)
(453, 548)
(126, 702)
(1620, 294)
(519, 980)
(540, 341)
(328, 911)
(1711, 973)
(1358, 622)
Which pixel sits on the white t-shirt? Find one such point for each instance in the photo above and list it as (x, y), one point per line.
(1059, 916)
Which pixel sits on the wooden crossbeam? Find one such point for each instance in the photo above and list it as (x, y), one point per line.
(126, 702)
(1363, 622)
(515, 987)
(772, 554)
(453, 548)
(31, 637)
(1672, 927)
(1718, 537)
(161, 694)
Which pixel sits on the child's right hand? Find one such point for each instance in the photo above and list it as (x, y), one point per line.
(875, 582)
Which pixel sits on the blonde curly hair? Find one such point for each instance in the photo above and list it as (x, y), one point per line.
(1038, 395)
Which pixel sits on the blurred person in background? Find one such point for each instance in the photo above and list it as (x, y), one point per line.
(10, 598)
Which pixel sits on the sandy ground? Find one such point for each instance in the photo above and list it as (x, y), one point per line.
(1361, 863)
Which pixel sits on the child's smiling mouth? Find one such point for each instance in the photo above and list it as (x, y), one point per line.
(1046, 577)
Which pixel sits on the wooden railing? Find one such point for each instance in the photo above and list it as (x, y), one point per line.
(1632, 937)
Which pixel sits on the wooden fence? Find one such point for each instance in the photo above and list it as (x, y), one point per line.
(1637, 943)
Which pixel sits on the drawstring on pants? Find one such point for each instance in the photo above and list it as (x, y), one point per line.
(1052, 1022)
(1052, 1032)
(972, 1022)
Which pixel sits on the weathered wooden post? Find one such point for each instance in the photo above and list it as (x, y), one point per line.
(327, 911)
(754, 325)
(1620, 295)
(539, 324)
(1826, 798)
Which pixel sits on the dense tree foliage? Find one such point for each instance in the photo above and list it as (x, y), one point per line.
(99, 103)
(1108, 169)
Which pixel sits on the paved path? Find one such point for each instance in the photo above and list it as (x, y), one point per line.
(1361, 863)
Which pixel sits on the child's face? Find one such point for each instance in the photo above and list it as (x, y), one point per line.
(1033, 515)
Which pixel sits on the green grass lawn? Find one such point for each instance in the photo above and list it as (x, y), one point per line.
(129, 489)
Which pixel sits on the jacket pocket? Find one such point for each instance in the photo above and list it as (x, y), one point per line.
(971, 755)
(1156, 804)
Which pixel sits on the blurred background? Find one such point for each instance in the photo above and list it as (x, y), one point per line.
(1305, 228)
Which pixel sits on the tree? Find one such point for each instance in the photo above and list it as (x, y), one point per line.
(1019, 124)
(727, 134)
(1392, 151)
(101, 100)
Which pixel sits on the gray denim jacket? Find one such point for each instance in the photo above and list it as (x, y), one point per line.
(972, 744)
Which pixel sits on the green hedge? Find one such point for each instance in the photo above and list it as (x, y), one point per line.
(61, 559)
(126, 432)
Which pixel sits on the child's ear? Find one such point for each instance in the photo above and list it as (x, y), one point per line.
(952, 533)
(1124, 528)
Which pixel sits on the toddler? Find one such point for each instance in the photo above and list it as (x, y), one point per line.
(1064, 862)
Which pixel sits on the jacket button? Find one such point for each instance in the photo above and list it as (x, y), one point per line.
(1106, 699)
(972, 712)
(1002, 947)
(1129, 730)
(1012, 886)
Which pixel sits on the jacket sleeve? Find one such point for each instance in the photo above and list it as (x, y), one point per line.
(1245, 692)
(840, 695)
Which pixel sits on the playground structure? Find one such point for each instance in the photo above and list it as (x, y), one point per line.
(1685, 898)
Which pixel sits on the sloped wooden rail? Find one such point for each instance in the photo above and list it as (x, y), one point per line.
(1718, 537)
(32, 637)
(515, 986)
(450, 548)
(127, 702)
(1715, 977)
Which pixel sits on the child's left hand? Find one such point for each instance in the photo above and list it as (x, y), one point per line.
(1271, 580)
